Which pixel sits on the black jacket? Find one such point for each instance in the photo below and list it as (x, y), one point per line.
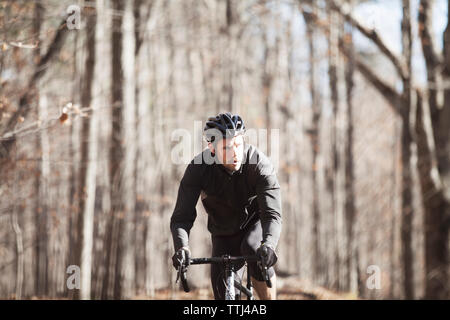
(230, 200)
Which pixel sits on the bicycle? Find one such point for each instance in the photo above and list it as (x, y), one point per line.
(231, 283)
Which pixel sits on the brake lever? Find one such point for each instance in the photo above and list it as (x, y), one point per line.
(178, 274)
(180, 269)
(265, 273)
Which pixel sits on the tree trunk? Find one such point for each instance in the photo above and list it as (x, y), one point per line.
(314, 135)
(433, 119)
(230, 35)
(117, 148)
(435, 207)
(336, 75)
(89, 209)
(349, 199)
(86, 126)
(407, 211)
(127, 236)
(144, 170)
(37, 21)
(19, 240)
(74, 155)
(42, 213)
(139, 260)
(443, 122)
(88, 170)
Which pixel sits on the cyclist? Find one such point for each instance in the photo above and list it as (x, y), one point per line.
(241, 195)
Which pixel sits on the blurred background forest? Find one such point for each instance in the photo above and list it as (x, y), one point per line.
(92, 91)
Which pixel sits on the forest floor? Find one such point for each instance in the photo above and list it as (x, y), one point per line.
(288, 289)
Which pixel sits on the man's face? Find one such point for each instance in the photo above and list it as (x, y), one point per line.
(230, 152)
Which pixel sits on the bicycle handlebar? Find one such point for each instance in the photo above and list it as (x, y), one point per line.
(223, 259)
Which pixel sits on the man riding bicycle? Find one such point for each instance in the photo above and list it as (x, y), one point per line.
(241, 195)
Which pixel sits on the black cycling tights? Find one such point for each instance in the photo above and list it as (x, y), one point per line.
(244, 243)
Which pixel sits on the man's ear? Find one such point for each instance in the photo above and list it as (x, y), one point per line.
(211, 147)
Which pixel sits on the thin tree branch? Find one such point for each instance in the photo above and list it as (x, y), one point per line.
(428, 172)
(24, 105)
(371, 34)
(18, 45)
(387, 91)
(141, 22)
(432, 57)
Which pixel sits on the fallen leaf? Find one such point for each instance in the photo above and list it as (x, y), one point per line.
(63, 117)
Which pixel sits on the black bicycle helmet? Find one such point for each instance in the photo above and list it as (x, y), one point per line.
(226, 124)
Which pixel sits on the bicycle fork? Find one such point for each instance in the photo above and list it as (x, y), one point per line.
(230, 293)
(232, 284)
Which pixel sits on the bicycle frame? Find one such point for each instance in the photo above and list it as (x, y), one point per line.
(229, 263)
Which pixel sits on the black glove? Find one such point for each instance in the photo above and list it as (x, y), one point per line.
(181, 257)
(267, 254)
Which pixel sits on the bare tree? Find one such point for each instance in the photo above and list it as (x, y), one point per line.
(41, 206)
(433, 153)
(406, 112)
(84, 233)
(315, 146)
(129, 112)
(432, 163)
(116, 156)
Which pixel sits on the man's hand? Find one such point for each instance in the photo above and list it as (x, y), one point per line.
(181, 257)
(267, 254)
